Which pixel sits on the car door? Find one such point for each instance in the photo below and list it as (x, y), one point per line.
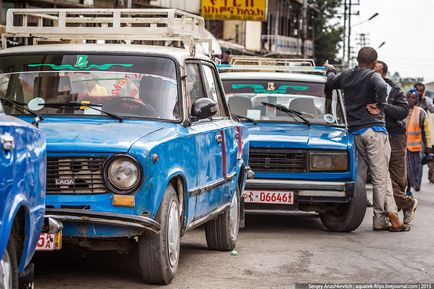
(6, 155)
(208, 141)
(7, 158)
(228, 127)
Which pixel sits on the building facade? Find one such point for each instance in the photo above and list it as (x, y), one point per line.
(286, 29)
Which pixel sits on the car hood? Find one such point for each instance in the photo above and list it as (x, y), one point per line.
(298, 136)
(95, 136)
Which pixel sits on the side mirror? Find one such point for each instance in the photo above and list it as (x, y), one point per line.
(203, 108)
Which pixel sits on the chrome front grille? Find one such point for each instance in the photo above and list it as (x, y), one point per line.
(277, 160)
(75, 175)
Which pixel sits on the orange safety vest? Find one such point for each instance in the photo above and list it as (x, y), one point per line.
(414, 131)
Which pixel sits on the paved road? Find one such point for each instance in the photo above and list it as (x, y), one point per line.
(274, 252)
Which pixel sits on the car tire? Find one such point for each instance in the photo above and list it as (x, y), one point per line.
(222, 232)
(159, 254)
(9, 266)
(347, 217)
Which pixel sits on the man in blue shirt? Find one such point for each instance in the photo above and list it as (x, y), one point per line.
(363, 89)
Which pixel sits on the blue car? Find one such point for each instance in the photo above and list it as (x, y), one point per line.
(300, 150)
(22, 201)
(141, 147)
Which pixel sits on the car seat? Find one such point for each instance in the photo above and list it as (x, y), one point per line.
(239, 105)
(161, 95)
(304, 105)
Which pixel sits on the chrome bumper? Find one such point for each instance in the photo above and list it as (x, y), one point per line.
(111, 219)
(306, 190)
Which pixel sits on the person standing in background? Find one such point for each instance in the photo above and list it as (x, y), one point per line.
(423, 101)
(396, 110)
(418, 140)
(427, 104)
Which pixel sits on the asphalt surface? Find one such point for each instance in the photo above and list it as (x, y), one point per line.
(273, 252)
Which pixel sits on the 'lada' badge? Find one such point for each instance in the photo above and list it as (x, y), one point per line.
(267, 163)
(65, 182)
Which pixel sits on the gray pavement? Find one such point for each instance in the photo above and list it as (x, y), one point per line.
(273, 252)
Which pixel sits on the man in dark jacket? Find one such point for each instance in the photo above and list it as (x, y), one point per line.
(396, 110)
(363, 87)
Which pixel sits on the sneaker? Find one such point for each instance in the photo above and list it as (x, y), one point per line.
(369, 204)
(409, 215)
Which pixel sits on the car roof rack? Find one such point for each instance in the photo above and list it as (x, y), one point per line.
(127, 25)
(251, 63)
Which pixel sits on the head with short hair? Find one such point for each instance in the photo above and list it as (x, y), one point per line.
(381, 68)
(367, 57)
(420, 87)
(412, 97)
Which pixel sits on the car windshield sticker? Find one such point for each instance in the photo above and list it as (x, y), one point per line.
(81, 61)
(259, 88)
(254, 113)
(80, 64)
(106, 66)
(329, 118)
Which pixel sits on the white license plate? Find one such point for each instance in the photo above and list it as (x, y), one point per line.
(268, 197)
(49, 242)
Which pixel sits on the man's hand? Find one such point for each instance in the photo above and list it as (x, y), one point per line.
(373, 109)
(329, 67)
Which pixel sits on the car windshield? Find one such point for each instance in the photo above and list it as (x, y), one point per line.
(315, 103)
(127, 86)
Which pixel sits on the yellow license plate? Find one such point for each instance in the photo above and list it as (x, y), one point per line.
(49, 242)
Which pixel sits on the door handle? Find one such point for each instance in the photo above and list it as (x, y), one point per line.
(7, 142)
(219, 138)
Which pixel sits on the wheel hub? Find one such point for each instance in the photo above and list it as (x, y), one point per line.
(6, 271)
(173, 234)
(233, 217)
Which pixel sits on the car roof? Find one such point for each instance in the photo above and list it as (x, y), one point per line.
(273, 76)
(178, 53)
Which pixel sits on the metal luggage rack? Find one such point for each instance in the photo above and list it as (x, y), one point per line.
(121, 25)
(251, 63)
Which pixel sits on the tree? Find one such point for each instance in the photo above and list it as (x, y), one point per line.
(327, 36)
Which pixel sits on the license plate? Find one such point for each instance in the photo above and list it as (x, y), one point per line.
(273, 197)
(49, 242)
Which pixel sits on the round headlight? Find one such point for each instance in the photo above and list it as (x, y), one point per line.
(123, 174)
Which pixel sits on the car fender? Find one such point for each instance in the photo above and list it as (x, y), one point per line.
(33, 222)
(171, 174)
(353, 156)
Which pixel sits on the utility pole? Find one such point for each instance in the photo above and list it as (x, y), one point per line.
(349, 32)
(345, 31)
(350, 13)
(363, 39)
(304, 30)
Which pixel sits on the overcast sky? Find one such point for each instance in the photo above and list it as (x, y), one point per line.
(407, 28)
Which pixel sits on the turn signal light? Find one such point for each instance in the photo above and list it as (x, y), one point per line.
(124, 201)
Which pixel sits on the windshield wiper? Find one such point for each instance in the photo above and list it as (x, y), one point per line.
(21, 107)
(245, 117)
(289, 111)
(79, 105)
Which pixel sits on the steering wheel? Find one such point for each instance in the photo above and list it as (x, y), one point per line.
(133, 104)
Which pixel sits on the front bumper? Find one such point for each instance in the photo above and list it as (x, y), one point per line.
(307, 191)
(108, 221)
